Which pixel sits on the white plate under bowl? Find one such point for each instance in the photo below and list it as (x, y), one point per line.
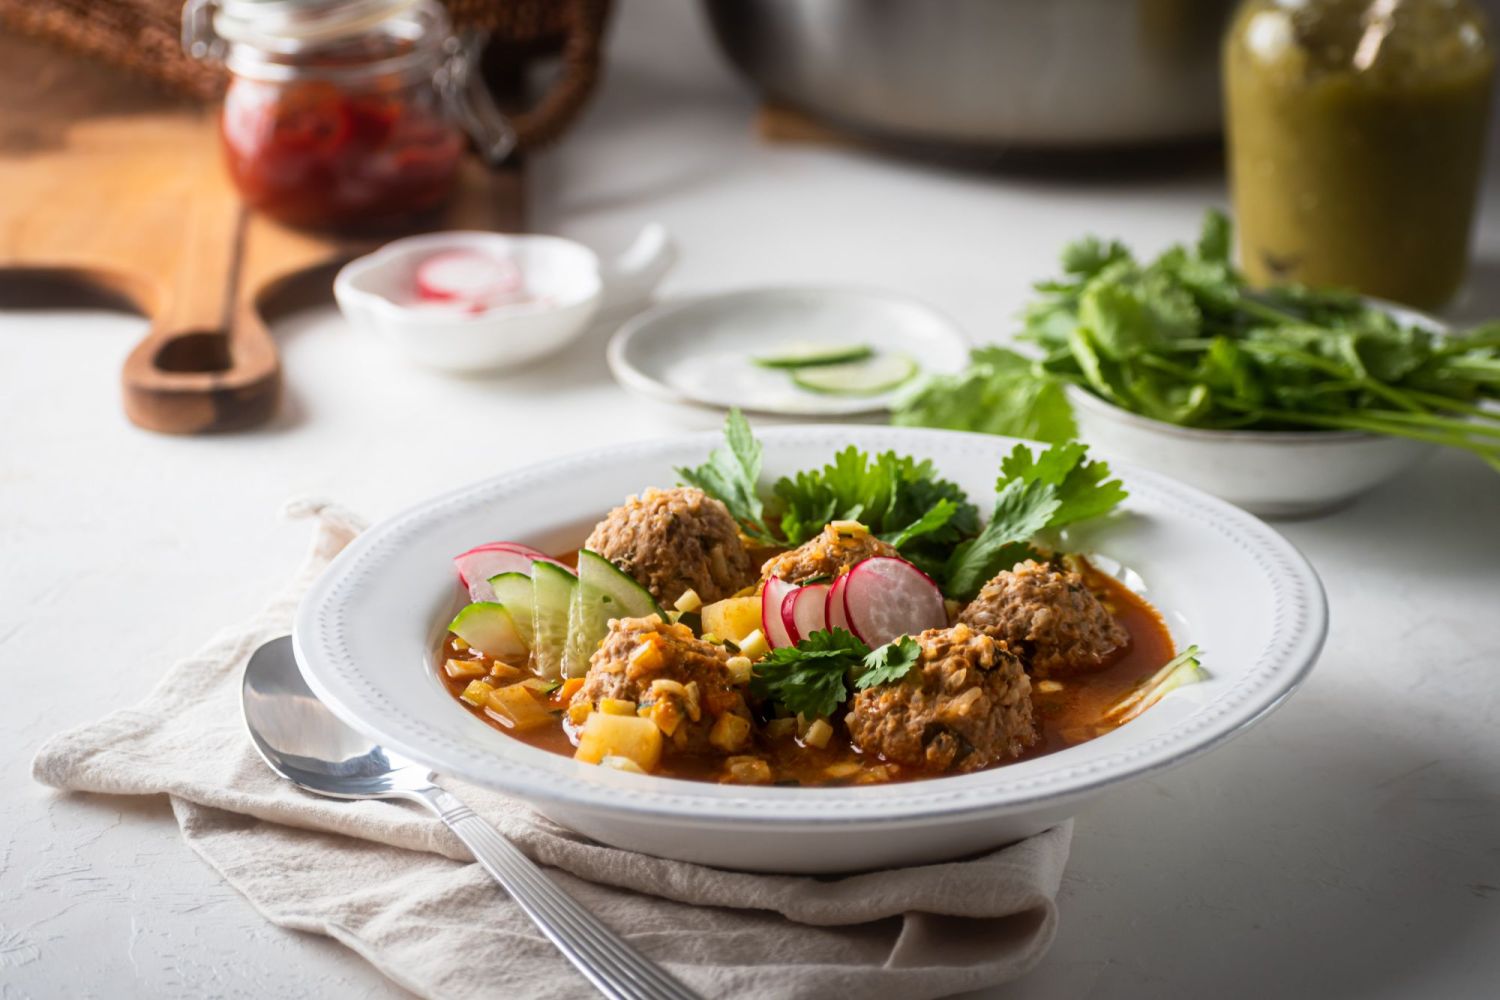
(367, 632)
(699, 351)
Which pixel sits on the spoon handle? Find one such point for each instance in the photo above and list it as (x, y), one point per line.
(612, 965)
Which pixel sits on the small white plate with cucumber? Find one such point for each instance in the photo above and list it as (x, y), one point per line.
(807, 352)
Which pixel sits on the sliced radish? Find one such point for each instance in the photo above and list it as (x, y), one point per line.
(476, 566)
(833, 606)
(887, 598)
(468, 276)
(808, 604)
(771, 623)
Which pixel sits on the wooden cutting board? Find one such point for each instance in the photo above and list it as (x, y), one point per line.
(105, 180)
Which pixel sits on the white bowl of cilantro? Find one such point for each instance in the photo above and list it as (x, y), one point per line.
(1287, 402)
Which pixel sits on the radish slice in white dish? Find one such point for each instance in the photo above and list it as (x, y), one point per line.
(887, 598)
(771, 622)
(476, 566)
(468, 276)
(834, 614)
(808, 604)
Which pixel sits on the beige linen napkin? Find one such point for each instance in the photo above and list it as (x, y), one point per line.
(390, 882)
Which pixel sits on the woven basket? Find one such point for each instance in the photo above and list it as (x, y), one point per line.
(143, 37)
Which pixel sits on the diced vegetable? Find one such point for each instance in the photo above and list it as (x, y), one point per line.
(477, 693)
(817, 734)
(515, 706)
(631, 736)
(747, 771)
(579, 712)
(740, 669)
(488, 627)
(500, 670)
(730, 733)
(552, 593)
(781, 729)
(886, 598)
(689, 601)
(755, 645)
(604, 592)
(733, 618)
(616, 706)
(565, 693)
(621, 764)
(465, 668)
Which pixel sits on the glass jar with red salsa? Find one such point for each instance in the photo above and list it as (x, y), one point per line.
(343, 113)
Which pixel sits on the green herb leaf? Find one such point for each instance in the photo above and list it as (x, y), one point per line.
(732, 476)
(1002, 392)
(889, 663)
(809, 678)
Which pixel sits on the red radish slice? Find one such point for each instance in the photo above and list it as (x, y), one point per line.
(834, 612)
(468, 276)
(476, 566)
(771, 623)
(807, 609)
(788, 618)
(886, 598)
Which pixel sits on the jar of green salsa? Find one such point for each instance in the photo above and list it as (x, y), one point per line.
(1356, 135)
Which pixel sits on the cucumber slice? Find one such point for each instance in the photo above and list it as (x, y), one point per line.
(551, 593)
(815, 354)
(514, 591)
(858, 378)
(604, 592)
(489, 628)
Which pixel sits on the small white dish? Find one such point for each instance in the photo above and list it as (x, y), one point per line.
(700, 351)
(1281, 474)
(367, 636)
(567, 283)
(1269, 473)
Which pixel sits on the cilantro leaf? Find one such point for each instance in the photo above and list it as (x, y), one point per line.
(731, 476)
(889, 663)
(809, 678)
(1033, 493)
(1001, 392)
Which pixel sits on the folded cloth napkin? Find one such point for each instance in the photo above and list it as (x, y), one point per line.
(390, 881)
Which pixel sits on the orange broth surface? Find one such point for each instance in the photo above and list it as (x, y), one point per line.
(1065, 717)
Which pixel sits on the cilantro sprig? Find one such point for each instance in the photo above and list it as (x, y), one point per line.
(732, 474)
(1184, 339)
(813, 678)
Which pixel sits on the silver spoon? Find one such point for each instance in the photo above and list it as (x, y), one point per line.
(304, 743)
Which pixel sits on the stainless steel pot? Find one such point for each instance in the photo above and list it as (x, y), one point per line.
(1038, 74)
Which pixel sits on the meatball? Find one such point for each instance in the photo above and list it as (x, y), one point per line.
(966, 704)
(673, 540)
(681, 682)
(1049, 617)
(835, 551)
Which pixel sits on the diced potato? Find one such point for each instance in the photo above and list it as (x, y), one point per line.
(506, 672)
(666, 713)
(689, 601)
(747, 771)
(818, 734)
(754, 646)
(780, 729)
(647, 656)
(460, 645)
(843, 769)
(616, 706)
(477, 693)
(621, 764)
(629, 736)
(730, 733)
(464, 668)
(740, 669)
(733, 618)
(849, 528)
(579, 712)
(515, 706)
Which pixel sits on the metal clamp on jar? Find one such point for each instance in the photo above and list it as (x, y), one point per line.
(345, 112)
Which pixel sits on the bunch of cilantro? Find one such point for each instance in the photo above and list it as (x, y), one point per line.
(929, 520)
(1183, 339)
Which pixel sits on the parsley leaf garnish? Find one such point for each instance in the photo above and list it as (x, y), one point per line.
(812, 677)
(732, 475)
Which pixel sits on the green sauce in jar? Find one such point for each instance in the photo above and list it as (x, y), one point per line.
(1356, 135)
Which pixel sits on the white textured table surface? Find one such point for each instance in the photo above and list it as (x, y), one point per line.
(1348, 846)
